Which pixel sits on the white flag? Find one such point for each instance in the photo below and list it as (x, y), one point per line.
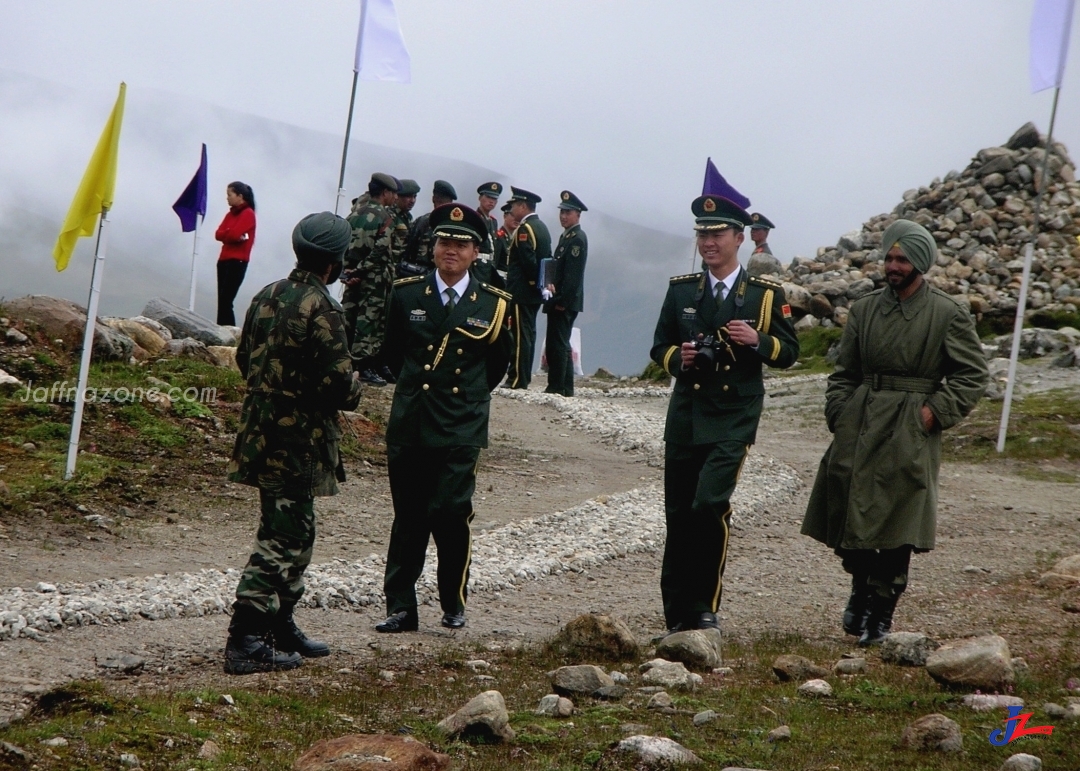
(1051, 23)
(380, 48)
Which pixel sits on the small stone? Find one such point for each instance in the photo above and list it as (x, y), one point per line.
(981, 662)
(582, 679)
(707, 716)
(780, 734)
(933, 732)
(815, 688)
(124, 511)
(209, 750)
(554, 705)
(620, 678)
(44, 588)
(477, 665)
(228, 700)
(669, 674)
(1056, 711)
(355, 752)
(789, 667)
(387, 675)
(125, 663)
(29, 446)
(698, 648)
(985, 702)
(660, 700)
(633, 728)
(850, 666)
(14, 751)
(908, 649)
(15, 337)
(56, 741)
(1022, 762)
(484, 716)
(127, 759)
(610, 692)
(657, 751)
(724, 671)
(597, 637)
(1019, 665)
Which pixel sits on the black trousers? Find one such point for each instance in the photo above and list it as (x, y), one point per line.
(432, 489)
(698, 483)
(886, 570)
(560, 357)
(520, 373)
(230, 275)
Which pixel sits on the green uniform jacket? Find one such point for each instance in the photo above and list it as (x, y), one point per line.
(531, 243)
(418, 250)
(402, 223)
(295, 359)
(723, 403)
(502, 248)
(876, 487)
(763, 249)
(488, 247)
(570, 256)
(446, 364)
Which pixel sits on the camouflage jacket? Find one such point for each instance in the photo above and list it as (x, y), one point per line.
(419, 249)
(402, 222)
(296, 362)
(373, 236)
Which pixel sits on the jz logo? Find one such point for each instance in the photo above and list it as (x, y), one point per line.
(1016, 726)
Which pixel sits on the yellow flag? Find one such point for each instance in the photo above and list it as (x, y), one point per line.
(95, 193)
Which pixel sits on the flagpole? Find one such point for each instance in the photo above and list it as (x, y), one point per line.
(345, 147)
(1041, 183)
(194, 255)
(88, 344)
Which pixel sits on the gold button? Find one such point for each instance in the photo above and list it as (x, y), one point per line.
(460, 351)
(426, 386)
(697, 386)
(457, 371)
(727, 367)
(455, 389)
(725, 388)
(427, 366)
(431, 347)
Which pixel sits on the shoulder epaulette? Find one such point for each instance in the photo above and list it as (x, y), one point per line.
(408, 280)
(766, 282)
(685, 278)
(496, 291)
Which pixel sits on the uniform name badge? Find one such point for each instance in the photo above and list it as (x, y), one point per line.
(418, 314)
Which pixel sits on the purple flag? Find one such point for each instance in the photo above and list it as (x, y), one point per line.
(192, 202)
(1051, 22)
(715, 184)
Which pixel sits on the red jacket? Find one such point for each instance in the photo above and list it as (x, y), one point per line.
(239, 222)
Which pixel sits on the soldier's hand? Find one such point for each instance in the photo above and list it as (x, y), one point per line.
(742, 333)
(928, 418)
(352, 281)
(687, 353)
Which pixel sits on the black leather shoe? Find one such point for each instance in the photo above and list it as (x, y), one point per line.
(371, 377)
(402, 621)
(249, 653)
(453, 620)
(289, 637)
(707, 621)
(386, 374)
(858, 606)
(879, 622)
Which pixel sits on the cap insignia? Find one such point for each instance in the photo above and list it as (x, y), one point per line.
(494, 185)
(566, 196)
(755, 217)
(457, 215)
(709, 205)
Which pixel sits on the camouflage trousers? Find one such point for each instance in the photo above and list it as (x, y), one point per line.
(274, 574)
(365, 310)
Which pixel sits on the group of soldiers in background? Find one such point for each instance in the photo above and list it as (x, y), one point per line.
(388, 244)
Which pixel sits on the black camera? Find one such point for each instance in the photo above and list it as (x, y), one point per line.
(707, 347)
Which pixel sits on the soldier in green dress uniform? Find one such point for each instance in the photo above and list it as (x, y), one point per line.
(294, 357)
(564, 299)
(418, 259)
(503, 237)
(530, 245)
(449, 341)
(760, 225)
(715, 331)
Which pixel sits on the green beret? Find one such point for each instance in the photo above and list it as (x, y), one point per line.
(760, 222)
(571, 202)
(520, 194)
(385, 181)
(452, 220)
(408, 187)
(321, 236)
(712, 212)
(444, 189)
(490, 189)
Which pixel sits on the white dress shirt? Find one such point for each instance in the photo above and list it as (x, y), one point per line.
(460, 288)
(728, 284)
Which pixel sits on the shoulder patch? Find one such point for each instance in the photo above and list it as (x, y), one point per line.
(685, 278)
(409, 280)
(766, 282)
(497, 292)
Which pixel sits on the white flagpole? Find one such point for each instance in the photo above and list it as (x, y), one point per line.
(194, 255)
(345, 147)
(88, 345)
(1041, 182)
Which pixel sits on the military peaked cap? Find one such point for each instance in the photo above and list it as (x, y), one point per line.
(452, 220)
(444, 189)
(408, 187)
(712, 212)
(506, 207)
(571, 202)
(385, 180)
(490, 189)
(760, 221)
(519, 194)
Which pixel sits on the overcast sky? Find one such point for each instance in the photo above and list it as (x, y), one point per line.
(822, 113)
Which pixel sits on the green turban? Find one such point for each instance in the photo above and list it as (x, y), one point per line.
(321, 237)
(914, 241)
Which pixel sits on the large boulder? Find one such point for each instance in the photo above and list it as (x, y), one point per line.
(360, 752)
(184, 323)
(764, 264)
(696, 648)
(580, 680)
(933, 732)
(64, 320)
(223, 356)
(797, 297)
(598, 637)
(146, 338)
(189, 348)
(979, 662)
(483, 717)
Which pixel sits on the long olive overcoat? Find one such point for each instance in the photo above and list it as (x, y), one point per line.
(876, 486)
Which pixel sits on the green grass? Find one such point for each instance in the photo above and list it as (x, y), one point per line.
(278, 716)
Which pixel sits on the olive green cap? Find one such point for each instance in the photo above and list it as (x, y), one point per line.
(444, 189)
(760, 222)
(571, 202)
(490, 189)
(711, 212)
(452, 220)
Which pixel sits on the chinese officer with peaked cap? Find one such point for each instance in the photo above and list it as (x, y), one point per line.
(530, 246)
(484, 268)
(565, 296)
(760, 225)
(448, 343)
(713, 412)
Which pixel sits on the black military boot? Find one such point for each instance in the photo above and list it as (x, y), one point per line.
(289, 637)
(247, 650)
(879, 620)
(858, 606)
(386, 374)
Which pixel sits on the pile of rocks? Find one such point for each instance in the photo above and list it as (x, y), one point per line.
(982, 217)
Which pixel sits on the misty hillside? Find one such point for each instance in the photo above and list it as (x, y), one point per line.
(49, 131)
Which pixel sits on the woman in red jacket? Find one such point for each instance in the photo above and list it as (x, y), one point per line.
(237, 235)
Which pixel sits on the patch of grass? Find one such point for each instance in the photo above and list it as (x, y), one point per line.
(1051, 320)
(818, 341)
(150, 426)
(653, 372)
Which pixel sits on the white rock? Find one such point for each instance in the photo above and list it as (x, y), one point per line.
(815, 688)
(657, 751)
(985, 702)
(1022, 762)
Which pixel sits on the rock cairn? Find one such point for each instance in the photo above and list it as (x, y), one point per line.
(982, 218)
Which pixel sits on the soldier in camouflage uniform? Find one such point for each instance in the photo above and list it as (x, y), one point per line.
(403, 219)
(418, 256)
(295, 359)
(369, 274)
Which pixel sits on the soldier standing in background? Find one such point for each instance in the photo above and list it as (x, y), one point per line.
(418, 251)
(403, 219)
(762, 262)
(369, 275)
(295, 360)
(564, 299)
(530, 245)
(714, 409)
(449, 342)
(503, 237)
(484, 267)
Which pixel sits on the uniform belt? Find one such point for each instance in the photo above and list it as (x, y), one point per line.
(918, 385)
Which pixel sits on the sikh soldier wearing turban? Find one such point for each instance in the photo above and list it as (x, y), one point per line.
(294, 357)
(910, 367)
